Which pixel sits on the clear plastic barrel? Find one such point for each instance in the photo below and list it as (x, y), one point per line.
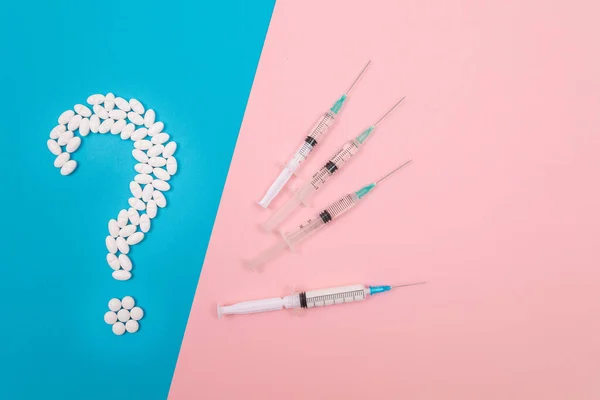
(322, 126)
(335, 163)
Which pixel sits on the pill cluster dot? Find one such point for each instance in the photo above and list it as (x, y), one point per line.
(156, 165)
(123, 315)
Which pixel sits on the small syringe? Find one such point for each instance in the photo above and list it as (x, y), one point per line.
(331, 213)
(310, 142)
(322, 176)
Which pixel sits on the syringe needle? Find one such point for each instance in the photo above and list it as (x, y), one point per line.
(358, 77)
(409, 284)
(388, 113)
(391, 172)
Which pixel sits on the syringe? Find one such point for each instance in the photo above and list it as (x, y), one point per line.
(318, 180)
(333, 212)
(321, 127)
(310, 299)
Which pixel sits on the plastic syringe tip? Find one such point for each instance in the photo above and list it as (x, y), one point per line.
(256, 263)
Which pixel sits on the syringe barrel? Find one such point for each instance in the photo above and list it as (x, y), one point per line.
(335, 163)
(332, 296)
(312, 139)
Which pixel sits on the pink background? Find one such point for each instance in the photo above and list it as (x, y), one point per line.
(499, 211)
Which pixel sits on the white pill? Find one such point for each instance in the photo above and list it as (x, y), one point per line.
(64, 138)
(134, 216)
(106, 125)
(74, 123)
(95, 99)
(123, 315)
(160, 138)
(100, 111)
(132, 326)
(157, 162)
(161, 185)
(54, 147)
(113, 261)
(56, 131)
(145, 222)
(135, 118)
(73, 144)
(143, 144)
(109, 96)
(118, 328)
(139, 155)
(127, 302)
(109, 104)
(111, 244)
(125, 262)
(142, 178)
(118, 126)
(161, 174)
(127, 231)
(122, 218)
(151, 209)
(110, 317)
(117, 114)
(114, 304)
(84, 127)
(156, 128)
(139, 134)
(147, 193)
(172, 165)
(68, 168)
(136, 189)
(155, 150)
(82, 110)
(137, 203)
(122, 245)
(113, 228)
(121, 275)
(159, 198)
(136, 313)
(135, 238)
(127, 131)
(142, 168)
(149, 118)
(65, 117)
(136, 106)
(94, 123)
(122, 104)
(169, 149)
(62, 159)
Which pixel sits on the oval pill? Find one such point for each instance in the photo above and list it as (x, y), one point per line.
(151, 209)
(137, 204)
(127, 231)
(160, 138)
(136, 313)
(139, 134)
(94, 123)
(155, 150)
(74, 123)
(111, 244)
(56, 131)
(62, 158)
(68, 168)
(73, 144)
(113, 228)
(144, 179)
(171, 165)
(118, 126)
(113, 261)
(139, 155)
(84, 127)
(100, 111)
(156, 128)
(117, 114)
(169, 149)
(106, 125)
(157, 162)
(95, 99)
(143, 144)
(136, 189)
(122, 218)
(159, 198)
(109, 96)
(147, 193)
(54, 147)
(142, 168)
(121, 275)
(118, 328)
(160, 173)
(64, 138)
(161, 185)
(82, 110)
(149, 118)
(110, 317)
(135, 118)
(125, 262)
(109, 104)
(114, 304)
(122, 245)
(132, 326)
(136, 106)
(145, 222)
(134, 216)
(65, 117)
(127, 131)
(122, 104)
(135, 238)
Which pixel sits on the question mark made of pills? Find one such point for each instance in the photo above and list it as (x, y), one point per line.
(156, 165)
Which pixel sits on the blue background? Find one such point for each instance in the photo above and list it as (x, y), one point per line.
(193, 63)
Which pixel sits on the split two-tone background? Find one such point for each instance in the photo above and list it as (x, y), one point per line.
(499, 211)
